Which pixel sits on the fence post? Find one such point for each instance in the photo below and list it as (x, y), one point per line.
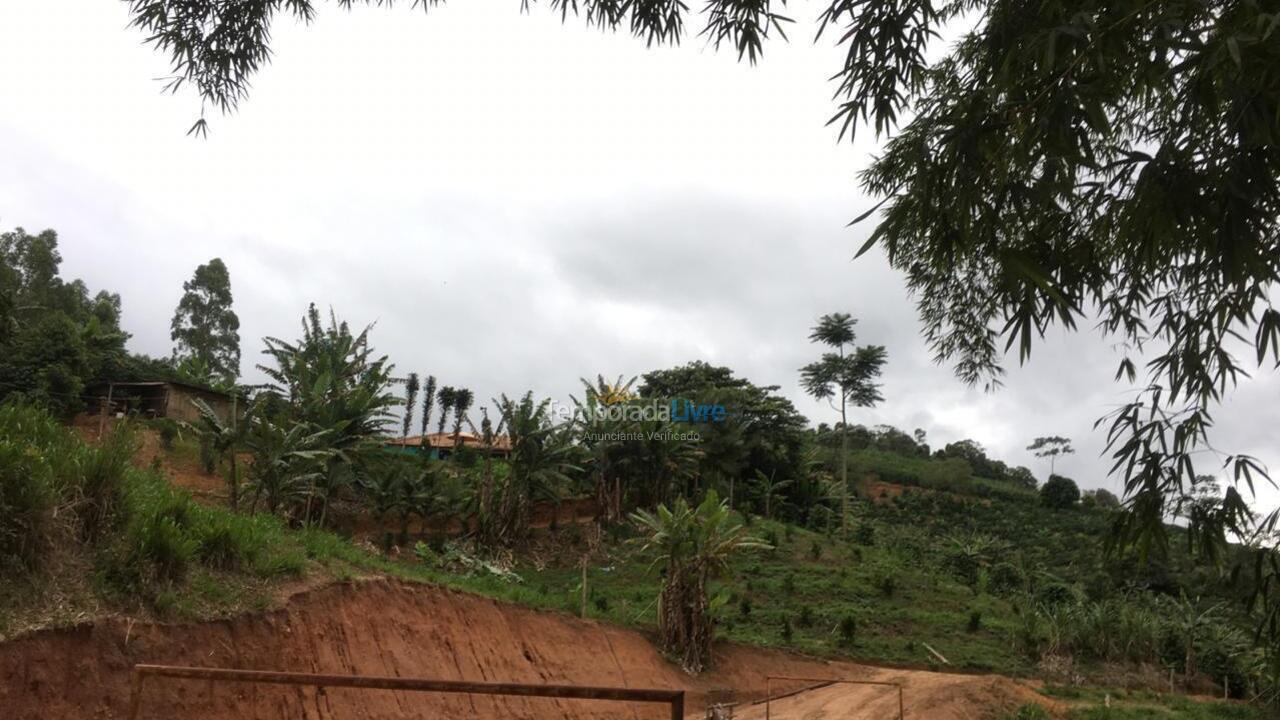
(677, 706)
(135, 695)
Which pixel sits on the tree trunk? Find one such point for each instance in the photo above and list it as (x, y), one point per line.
(844, 465)
(235, 483)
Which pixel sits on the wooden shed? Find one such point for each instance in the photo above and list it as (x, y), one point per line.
(159, 398)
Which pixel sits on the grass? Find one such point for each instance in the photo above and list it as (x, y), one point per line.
(1097, 703)
(787, 586)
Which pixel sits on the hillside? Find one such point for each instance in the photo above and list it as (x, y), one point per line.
(976, 572)
(925, 573)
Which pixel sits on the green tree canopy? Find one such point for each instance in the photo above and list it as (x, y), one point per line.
(205, 329)
(1059, 493)
(55, 339)
(763, 433)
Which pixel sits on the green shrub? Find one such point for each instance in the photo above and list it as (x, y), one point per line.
(1030, 711)
(1005, 577)
(34, 450)
(744, 607)
(884, 578)
(815, 550)
(865, 534)
(787, 632)
(157, 544)
(101, 485)
(848, 629)
(425, 554)
(167, 430)
(975, 622)
(26, 508)
(805, 618)
(208, 456)
(230, 542)
(164, 547)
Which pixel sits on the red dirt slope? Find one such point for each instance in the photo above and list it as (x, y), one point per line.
(394, 629)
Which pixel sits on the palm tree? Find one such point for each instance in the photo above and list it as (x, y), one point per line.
(848, 378)
(692, 546)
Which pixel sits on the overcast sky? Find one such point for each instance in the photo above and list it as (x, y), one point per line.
(516, 203)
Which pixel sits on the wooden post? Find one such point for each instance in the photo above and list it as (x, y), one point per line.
(106, 408)
(135, 695)
(584, 586)
(677, 706)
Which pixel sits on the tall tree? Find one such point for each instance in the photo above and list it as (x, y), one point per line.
(446, 397)
(844, 377)
(1051, 447)
(204, 326)
(428, 401)
(762, 433)
(411, 386)
(55, 338)
(462, 399)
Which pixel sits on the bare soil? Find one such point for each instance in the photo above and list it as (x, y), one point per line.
(389, 628)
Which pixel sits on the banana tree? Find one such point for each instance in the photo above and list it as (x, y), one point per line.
(333, 382)
(224, 437)
(542, 462)
(287, 460)
(692, 546)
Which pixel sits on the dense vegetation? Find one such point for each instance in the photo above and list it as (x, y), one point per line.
(922, 555)
(1113, 164)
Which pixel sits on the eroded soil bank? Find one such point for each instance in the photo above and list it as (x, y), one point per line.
(393, 629)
